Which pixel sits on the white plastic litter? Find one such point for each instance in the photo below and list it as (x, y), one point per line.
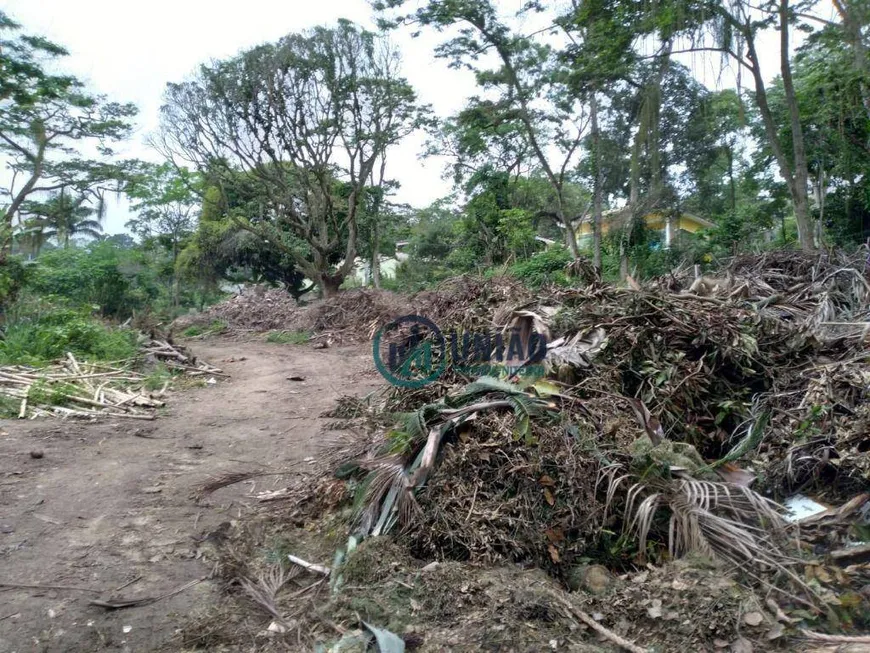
(800, 507)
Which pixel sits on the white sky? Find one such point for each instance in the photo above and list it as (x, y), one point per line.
(130, 50)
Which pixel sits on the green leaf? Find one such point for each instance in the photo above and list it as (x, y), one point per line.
(545, 388)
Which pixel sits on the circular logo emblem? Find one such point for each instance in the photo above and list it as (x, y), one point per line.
(410, 351)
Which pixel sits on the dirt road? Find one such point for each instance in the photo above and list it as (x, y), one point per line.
(108, 506)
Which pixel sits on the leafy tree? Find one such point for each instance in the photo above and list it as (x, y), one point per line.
(101, 274)
(302, 118)
(836, 133)
(63, 217)
(221, 249)
(433, 232)
(167, 202)
(44, 119)
(533, 105)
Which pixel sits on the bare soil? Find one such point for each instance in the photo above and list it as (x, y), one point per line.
(108, 506)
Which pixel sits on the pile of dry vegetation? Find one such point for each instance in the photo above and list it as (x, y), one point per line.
(349, 316)
(669, 420)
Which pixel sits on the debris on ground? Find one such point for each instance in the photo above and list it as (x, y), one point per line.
(176, 357)
(353, 315)
(636, 478)
(257, 309)
(73, 388)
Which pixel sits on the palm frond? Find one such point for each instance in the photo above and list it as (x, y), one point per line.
(726, 521)
(487, 384)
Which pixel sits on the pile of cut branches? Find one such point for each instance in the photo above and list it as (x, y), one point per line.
(176, 357)
(666, 420)
(73, 389)
(672, 405)
(256, 309)
(356, 314)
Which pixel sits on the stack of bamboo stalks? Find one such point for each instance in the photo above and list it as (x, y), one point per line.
(73, 388)
(70, 388)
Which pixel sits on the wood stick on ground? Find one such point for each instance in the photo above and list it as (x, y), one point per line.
(23, 410)
(111, 604)
(310, 566)
(28, 586)
(597, 627)
(835, 639)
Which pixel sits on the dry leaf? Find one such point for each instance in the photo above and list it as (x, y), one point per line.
(554, 554)
(753, 618)
(823, 575)
(775, 632)
(741, 645)
(549, 497)
(555, 535)
(655, 610)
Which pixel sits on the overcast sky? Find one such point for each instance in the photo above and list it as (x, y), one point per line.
(130, 50)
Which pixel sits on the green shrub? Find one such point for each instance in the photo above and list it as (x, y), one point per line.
(544, 267)
(288, 337)
(115, 280)
(159, 376)
(9, 407)
(13, 275)
(35, 338)
(416, 274)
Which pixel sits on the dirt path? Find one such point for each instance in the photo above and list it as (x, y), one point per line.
(110, 503)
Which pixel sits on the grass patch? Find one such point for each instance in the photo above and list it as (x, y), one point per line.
(215, 328)
(43, 337)
(288, 337)
(54, 394)
(9, 407)
(158, 377)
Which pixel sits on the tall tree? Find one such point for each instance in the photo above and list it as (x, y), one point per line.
(530, 85)
(167, 203)
(855, 17)
(64, 216)
(599, 57)
(44, 119)
(308, 119)
(733, 28)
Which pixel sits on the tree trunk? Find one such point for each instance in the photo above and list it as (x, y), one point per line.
(801, 167)
(798, 191)
(633, 201)
(570, 236)
(175, 301)
(648, 131)
(731, 186)
(597, 191)
(329, 284)
(376, 256)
